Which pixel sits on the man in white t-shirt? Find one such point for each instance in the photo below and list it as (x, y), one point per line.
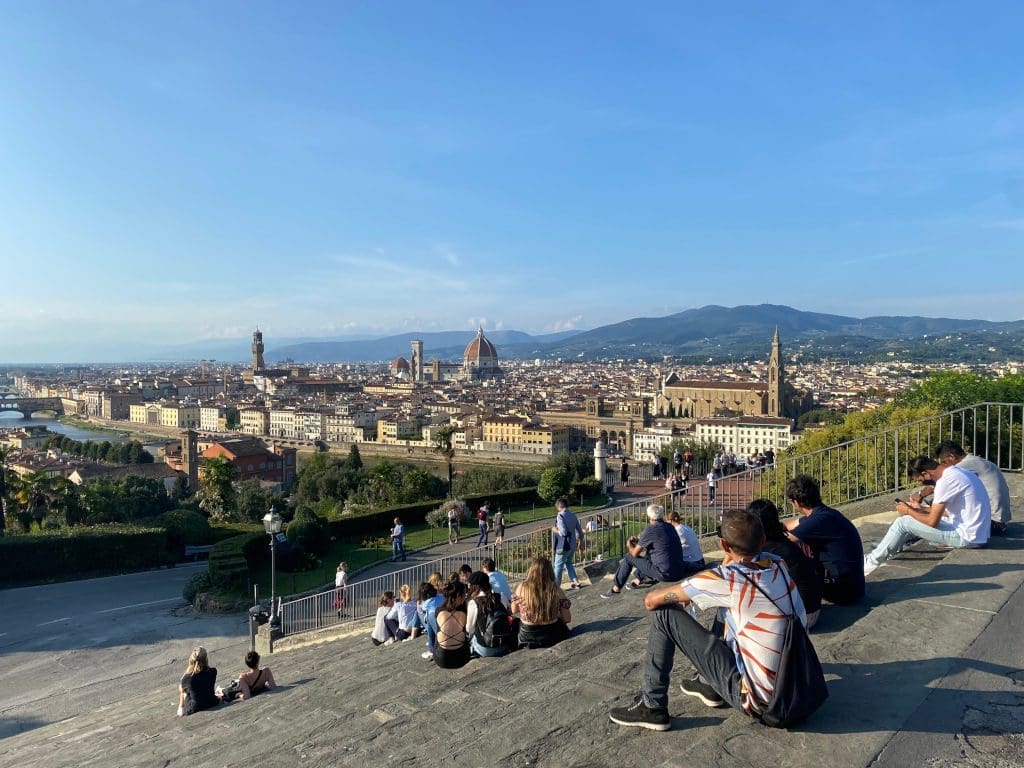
(738, 671)
(950, 452)
(959, 516)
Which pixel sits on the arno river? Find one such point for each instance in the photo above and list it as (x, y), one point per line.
(11, 421)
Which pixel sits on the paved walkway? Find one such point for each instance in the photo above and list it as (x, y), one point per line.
(927, 671)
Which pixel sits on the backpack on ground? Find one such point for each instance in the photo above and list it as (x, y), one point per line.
(800, 682)
(494, 629)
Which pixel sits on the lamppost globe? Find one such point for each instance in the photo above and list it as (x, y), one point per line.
(272, 522)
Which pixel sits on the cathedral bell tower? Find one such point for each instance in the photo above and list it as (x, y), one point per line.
(776, 404)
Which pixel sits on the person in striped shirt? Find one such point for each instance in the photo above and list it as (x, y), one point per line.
(739, 670)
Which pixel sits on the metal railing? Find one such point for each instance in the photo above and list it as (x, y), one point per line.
(605, 535)
(860, 468)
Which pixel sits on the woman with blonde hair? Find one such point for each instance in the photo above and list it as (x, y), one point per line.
(197, 689)
(542, 607)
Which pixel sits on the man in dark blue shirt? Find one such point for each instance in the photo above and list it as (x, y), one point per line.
(664, 557)
(832, 538)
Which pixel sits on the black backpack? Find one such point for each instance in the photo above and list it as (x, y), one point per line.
(799, 683)
(494, 629)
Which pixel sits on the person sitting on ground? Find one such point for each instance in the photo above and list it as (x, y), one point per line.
(542, 607)
(693, 556)
(481, 604)
(950, 453)
(384, 629)
(499, 582)
(430, 601)
(800, 565)
(592, 525)
(959, 515)
(255, 679)
(738, 671)
(197, 689)
(451, 650)
(663, 560)
(404, 612)
(834, 541)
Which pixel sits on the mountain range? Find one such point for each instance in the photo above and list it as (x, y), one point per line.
(708, 332)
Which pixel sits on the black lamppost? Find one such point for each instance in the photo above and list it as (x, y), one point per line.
(272, 525)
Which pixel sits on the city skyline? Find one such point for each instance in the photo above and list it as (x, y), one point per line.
(193, 172)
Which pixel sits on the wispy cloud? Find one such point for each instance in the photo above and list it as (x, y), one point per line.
(567, 324)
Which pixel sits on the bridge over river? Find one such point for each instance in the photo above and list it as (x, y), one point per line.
(26, 406)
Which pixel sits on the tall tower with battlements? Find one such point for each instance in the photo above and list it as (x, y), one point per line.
(776, 403)
(417, 360)
(257, 351)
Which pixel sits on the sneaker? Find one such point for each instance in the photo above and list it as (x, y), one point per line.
(389, 641)
(639, 715)
(997, 529)
(631, 585)
(703, 691)
(426, 655)
(870, 566)
(610, 593)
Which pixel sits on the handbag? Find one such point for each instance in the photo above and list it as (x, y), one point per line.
(800, 686)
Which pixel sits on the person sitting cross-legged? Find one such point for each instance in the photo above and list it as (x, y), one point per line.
(663, 560)
(739, 671)
(959, 516)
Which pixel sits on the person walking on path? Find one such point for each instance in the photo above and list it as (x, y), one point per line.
(624, 472)
(481, 516)
(712, 486)
(398, 541)
(568, 536)
(499, 527)
(340, 583)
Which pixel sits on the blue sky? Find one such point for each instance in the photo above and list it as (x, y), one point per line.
(189, 170)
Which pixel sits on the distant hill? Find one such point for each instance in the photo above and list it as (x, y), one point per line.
(444, 345)
(713, 331)
(747, 330)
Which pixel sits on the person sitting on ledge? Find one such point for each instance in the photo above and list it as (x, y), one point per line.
(738, 671)
(197, 689)
(255, 679)
(384, 629)
(799, 564)
(451, 649)
(959, 515)
(543, 609)
(693, 556)
(950, 453)
(664, 556)
(831, 537)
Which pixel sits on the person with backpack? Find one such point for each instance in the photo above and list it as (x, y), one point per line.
(765, 666)
(481, 516)
(488, 620)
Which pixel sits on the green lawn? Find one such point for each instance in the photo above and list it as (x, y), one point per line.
(361, 552)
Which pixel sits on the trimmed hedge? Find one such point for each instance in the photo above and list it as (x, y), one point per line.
(231, 559)
(100, 549)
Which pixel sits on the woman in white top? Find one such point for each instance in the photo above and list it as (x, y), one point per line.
(384, 629)
(340, 582)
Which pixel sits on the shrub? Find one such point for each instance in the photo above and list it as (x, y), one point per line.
(184, 528)
(198, 582)
(310, 531)
(554, 482)
(438, 518)
(232, 558)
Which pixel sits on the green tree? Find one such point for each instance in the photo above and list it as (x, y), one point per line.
(216, 490)
(554, 482)
(482, 481)
(4, 487)
(443, 445)
(355, 459)
(579, 464)
(253, 501)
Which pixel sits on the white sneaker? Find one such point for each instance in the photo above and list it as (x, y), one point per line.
(389, 641)
(870, 565)
(426, 655)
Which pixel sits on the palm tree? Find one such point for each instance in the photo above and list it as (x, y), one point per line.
(34, 493)
(443, 445)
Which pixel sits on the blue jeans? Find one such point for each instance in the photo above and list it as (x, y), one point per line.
(397, 549)
(563, 561)
(714, 661)
(431, 627)
(481, 650)
(644, 569)
(906, 527)
(481, 540)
